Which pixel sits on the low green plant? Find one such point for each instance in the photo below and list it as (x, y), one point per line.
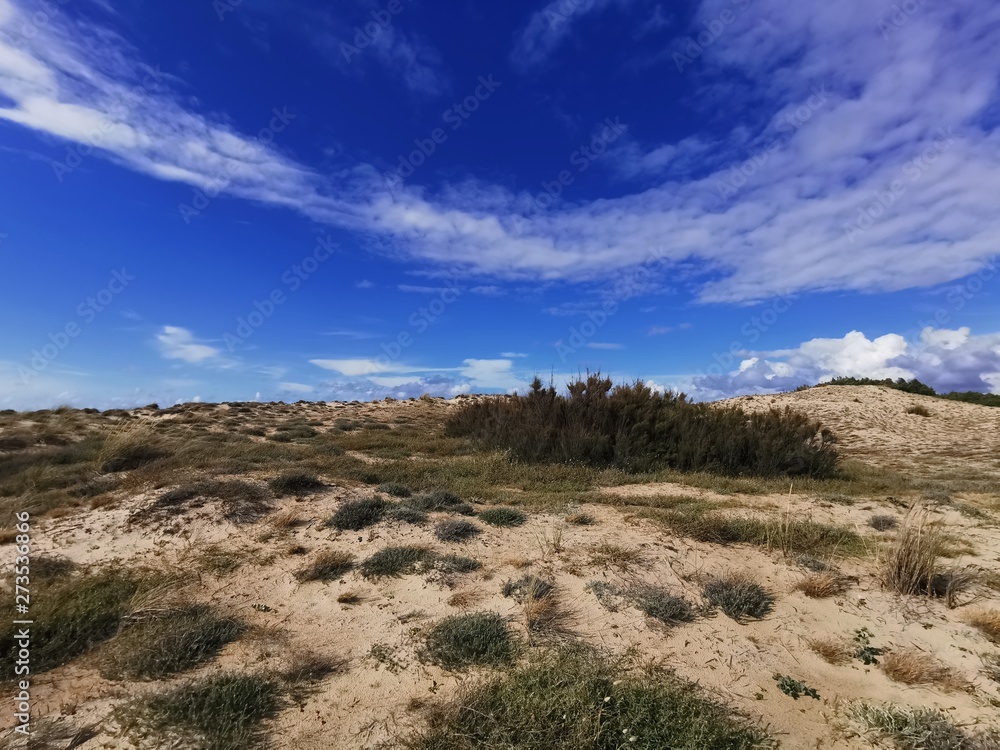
(918, 728)
(739, 597)
(394, 489)
(162, 644)
(355, 515)
(395, 561)
(503, 517)
(864, 650)
(576, 698)
(456, 564)
(219, 712)
(456, 530)
(440, 501)
(795, 688)
(527, 587)
(295, 483)
(477, 639)
(662, 605)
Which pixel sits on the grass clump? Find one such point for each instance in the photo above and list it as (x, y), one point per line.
(167, 643)
(633, 428)
(477, 639)
(394, 489)
(661, 605)
(739, 597)
(503, 517)
(987, 622)
(240, 502)
(355, 515)
(220, 712)
(407, 515)
(71, 616)
(822, 585)
(295, 483)
(883, 522)
(395, 561)
(527, 587)
(440, 501)
(917, 668)
(919, 410)
(456, 530)
(574, 698)
(328, 566)
(917, 728)
(912, 566)
(456, 564)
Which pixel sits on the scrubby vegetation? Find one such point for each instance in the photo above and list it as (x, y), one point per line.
(395, 561)
(456, 530)
(577, 699)
(918, 728)
(161, 643)
(71, 616)
(633, 428)
(328, 566)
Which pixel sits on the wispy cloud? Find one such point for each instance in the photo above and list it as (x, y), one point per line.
(784, 231)
(604, 345)
(180, 343)
(548, 28)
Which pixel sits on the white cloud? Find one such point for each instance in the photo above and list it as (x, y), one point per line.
(512, 355)
(180, 343)
(352, 367)
(946, 360)
(603, 345)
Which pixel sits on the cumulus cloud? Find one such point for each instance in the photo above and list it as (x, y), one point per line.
(947, 360)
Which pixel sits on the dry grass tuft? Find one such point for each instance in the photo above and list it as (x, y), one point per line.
(613, 556)
(917, 668)
(327, 566)
(912, 563)
(832, 650)
(822, 585)
(987, 622)
(351, 597)
(288, 520)
(464, 599)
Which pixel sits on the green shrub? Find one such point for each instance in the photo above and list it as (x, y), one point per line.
(456, 530)
(219, 712)
(634, 429)
(355, 515)
(578, 699)
(739, 597)
(295, 483)
(166, 644)
(131, 457)
(481, 638)
(503, 517)
(395, 561)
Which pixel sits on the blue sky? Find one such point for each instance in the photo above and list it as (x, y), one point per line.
(247, 199)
